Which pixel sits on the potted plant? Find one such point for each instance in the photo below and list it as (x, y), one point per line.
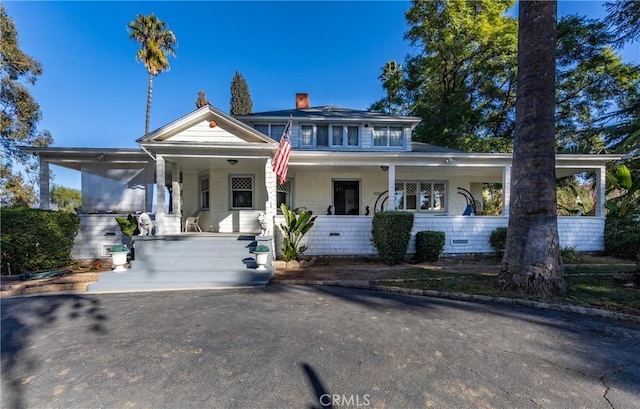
(262, 256)
(129, 228)
(119, 257)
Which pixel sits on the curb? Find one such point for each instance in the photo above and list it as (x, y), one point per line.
(364, 285)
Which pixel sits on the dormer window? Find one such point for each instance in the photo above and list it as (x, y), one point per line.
(339, 136)
(388, 136)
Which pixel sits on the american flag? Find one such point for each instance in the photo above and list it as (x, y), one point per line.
(281, 160)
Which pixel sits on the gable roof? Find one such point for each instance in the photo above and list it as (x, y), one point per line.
(206, 113)
(329, 113)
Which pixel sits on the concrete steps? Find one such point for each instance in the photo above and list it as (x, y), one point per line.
(190, 261)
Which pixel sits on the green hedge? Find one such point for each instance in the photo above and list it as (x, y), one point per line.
(622, 238)
(429, 245)
(35, 239)
(498, 240)
(391, 234)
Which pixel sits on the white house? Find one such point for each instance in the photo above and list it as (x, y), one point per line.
(342, 166)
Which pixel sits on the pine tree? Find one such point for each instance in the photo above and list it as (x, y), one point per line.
(241, 103)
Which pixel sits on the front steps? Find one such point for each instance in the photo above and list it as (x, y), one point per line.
(190, 261)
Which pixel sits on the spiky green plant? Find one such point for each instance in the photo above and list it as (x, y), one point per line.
(296, 224)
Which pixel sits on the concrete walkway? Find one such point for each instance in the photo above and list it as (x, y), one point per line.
(309, 347)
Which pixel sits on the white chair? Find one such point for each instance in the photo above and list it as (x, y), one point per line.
(192, 221)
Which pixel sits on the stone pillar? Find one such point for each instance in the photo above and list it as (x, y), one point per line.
(506, 189)
(176, 198)
(392, 188)
(601, 185)
(160, 188)
(45, 192)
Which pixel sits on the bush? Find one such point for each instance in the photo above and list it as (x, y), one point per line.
(391, 234)
(498, 240)
(36, 239)
(429, 245)
(622, 238)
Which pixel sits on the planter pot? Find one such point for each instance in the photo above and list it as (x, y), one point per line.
(119, 259)
(261, 261)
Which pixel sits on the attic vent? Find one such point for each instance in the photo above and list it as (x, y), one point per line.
(459, 242)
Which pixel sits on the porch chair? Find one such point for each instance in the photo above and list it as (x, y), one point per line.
(192, 221)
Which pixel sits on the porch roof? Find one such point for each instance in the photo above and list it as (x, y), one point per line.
(74, 158)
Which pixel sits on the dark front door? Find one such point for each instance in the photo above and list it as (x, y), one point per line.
(346, 196)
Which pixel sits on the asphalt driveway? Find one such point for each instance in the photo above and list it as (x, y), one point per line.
(308, 347)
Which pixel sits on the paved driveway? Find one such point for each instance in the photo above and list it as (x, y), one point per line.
(306, 347)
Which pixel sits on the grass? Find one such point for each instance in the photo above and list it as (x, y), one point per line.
(594, 286)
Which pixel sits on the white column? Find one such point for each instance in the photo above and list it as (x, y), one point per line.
(160, 202)
(392, 188)
(601, 185)
(45, 193)
(271, 186)
(175, 189)
(506, 189)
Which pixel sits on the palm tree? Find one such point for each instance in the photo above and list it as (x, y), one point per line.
(157, 43)
(532, 262)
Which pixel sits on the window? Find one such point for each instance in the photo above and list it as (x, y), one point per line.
(241, 192)
(204, 193)
(306, 135)
(283, 195)
(322, 135)
(329, 135)
(272, 131)
(421, 196)
(388, 136)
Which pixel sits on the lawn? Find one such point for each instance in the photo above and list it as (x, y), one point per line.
(588, 285)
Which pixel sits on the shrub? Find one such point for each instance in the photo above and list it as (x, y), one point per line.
(498, 239)
(261, 249)
(622, 238)
(118, 248)
(429, 245)
(36, 239)
(391, 234)
(296, 224)
(568, 253)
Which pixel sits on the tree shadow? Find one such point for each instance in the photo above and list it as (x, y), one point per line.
(610, 349)
(22, 318)
(320, 393)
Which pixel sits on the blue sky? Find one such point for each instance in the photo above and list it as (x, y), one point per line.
(93, 92)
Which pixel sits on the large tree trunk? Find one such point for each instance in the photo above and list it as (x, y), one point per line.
(532, 263)
(148, 117)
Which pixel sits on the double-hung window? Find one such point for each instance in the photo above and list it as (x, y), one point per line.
(423, 196)
(241, 192)
(388, 136)
(204, 193)
(346, 136)
(283, 195)
(273, 131)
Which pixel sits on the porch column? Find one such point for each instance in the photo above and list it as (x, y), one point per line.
(160, 184)
(392, 188)
(45, 193)
(175, 189)
(271, 186)
(506, 190)
(601, 185)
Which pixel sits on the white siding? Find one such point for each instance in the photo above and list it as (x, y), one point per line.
(351, 235)
(202, 132)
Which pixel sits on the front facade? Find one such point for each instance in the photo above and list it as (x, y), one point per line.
(343, 165)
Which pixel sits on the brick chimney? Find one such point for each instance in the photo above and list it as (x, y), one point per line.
(302, 100)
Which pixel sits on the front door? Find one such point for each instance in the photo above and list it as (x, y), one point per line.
(346, 197)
